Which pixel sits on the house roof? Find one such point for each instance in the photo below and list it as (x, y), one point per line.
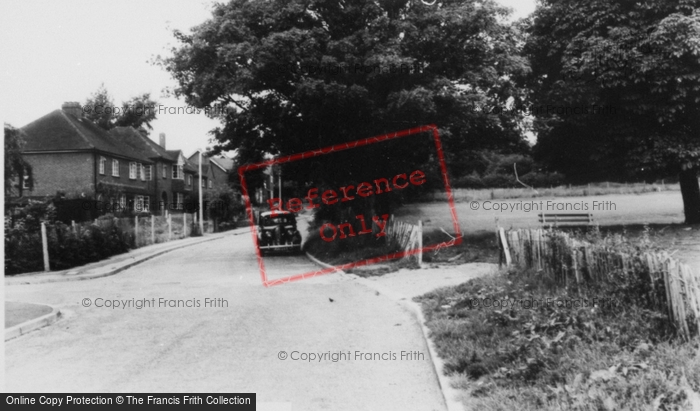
(188, 166)
(207, 161)
(224, 162)
(137, 141)
(58, 131)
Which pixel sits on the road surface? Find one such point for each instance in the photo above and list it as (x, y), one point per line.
(226, 335)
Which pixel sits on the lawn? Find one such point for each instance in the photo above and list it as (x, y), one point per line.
(661, 210)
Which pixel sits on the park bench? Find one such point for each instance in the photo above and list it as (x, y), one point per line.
(565, 218)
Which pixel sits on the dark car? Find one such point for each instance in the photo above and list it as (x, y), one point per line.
(278, 232)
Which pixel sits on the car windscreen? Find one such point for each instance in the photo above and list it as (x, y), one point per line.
(284, 219)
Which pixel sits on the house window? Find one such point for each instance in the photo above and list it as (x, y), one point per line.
(179, 199)
(142, 172)
(115, 168)
(103, 161)
(204, 183)
(25, 183)
(142, 204)
(178, 172)
(210, 184)
(189, 180)
(122, 201)
(149, 172)
(132, 170)
(165, 171)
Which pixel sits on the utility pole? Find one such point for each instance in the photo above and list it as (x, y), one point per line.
(201, 205)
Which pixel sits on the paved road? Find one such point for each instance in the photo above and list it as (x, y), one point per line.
(222, 348)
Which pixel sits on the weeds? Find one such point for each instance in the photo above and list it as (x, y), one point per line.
(540, 346)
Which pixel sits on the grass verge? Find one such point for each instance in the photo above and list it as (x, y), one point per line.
(542, 347)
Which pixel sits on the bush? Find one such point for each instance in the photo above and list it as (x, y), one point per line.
(496, 171)
(67, 247)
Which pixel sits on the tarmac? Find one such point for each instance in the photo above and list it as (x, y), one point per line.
(23, 317)
(401, 286)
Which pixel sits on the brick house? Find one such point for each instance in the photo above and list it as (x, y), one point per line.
(71, 155)
(163, 176)
(214, 172)
(120, 169)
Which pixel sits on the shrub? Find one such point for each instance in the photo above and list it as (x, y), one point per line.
(67, 247)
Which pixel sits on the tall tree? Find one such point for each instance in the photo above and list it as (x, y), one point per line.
(137, 112)
(296, 75)
(616, 89)
(16, 167)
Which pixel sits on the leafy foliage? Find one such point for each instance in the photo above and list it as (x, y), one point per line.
(16, 167)
(67, 247)
(634, 67)
(137, 112)
(224, 205)
(494, 170)
(539, 346)
(300, 75)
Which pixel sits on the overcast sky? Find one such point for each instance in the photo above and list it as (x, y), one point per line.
(57, 51)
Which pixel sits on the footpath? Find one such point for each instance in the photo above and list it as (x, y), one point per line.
(403, 285)
(22, 317)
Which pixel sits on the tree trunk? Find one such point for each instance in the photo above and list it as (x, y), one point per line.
(690, 190)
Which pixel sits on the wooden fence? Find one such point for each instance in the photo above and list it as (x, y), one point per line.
(569, 260)
(147, 230)
(404, 237)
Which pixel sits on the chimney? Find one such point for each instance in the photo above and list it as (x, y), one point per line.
(162, 139)
(73, 108)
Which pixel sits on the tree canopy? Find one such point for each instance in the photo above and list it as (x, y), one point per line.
(302, 74)
(137, 112)
(16, 167)
(615, 88)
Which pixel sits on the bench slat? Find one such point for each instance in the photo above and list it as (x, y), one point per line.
(565, 218)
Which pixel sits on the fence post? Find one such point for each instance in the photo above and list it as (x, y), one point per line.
(506, 250)
(136, 231)
(170, 227)
(420, 243)
(153, 229)
(45, 247)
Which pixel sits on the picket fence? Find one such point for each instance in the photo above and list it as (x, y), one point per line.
(569, 260)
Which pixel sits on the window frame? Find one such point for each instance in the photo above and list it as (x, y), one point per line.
(179, 200)
(132, 170)
(178, 172)
(103, 165)
(115, 168)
